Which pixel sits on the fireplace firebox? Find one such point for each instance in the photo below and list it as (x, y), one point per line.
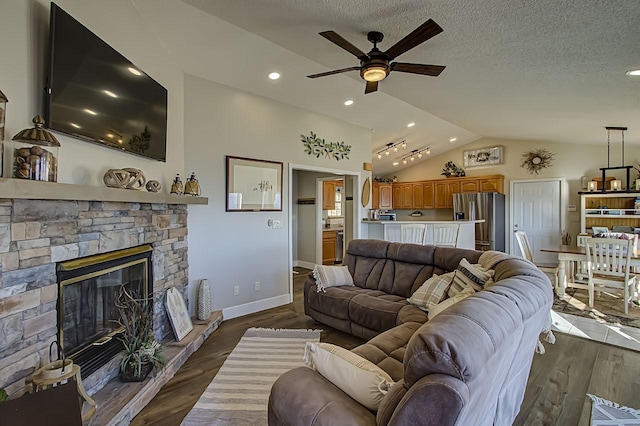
(87, 289)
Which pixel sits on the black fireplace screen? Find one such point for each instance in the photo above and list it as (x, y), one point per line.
(87, 316)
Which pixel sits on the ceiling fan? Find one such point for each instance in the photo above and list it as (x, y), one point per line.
(376, 65)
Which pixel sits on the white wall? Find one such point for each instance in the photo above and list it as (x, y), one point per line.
(571, 161)
(24, 44)
(238, 248)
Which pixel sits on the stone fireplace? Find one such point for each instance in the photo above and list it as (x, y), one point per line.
(38, 235)
(88, 326)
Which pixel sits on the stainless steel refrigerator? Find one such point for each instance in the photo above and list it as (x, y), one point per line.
(488, 206)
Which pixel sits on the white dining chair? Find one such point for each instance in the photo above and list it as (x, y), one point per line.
(608, 261)
(446, 234)
(527, 253)
(413, 233)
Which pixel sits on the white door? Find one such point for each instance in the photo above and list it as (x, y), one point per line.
(536, 208)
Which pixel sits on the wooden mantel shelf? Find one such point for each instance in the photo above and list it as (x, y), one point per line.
(35, 190)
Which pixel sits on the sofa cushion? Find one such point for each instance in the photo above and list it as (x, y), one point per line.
(387, 349)
(375, 309)
(432, 291)
(354, 375)
(334, 301)
(331, 276)
(468, 275)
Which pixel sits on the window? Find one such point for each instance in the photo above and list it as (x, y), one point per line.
(338, 210)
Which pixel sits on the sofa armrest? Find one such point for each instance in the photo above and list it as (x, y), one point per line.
(436, 399)
(302, 397)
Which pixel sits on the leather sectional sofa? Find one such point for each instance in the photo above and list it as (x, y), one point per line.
(467, 366)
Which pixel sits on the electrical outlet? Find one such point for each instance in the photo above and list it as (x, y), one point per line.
(236, 290)
(257, 285)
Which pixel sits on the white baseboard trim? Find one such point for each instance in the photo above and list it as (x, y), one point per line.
(304, 264)
(252, 307)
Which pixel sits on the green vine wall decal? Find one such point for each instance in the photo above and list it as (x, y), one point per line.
(313, 145)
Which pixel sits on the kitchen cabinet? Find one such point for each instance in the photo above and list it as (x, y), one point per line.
(438, 194)
(328, 247)
(402, 196)
(328, 195)
(382, 195)
(469, 186)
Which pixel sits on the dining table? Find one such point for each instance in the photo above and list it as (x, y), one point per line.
(572, 253)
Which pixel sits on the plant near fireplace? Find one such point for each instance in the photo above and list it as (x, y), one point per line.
(141, 353)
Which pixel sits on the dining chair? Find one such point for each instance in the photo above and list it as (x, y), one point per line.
(578, 270)
(527, 253)
(446, 234)
(608, 261)
(413, 233)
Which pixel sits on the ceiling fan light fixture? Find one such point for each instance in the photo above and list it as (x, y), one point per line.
(375, 73)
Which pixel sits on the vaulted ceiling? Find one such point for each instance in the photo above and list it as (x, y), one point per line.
(545, 70)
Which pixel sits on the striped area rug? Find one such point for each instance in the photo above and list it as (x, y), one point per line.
(239, 393)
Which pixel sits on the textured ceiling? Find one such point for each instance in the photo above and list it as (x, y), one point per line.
(549, 70)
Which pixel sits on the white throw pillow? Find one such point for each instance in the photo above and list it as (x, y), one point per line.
(450, 302)
(432, 291)
(331, 276)
(468, 275)
(359, 378)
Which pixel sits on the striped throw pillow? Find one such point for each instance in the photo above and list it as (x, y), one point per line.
(472, 276)
(450, 302)
(432, 292)
(331, 276)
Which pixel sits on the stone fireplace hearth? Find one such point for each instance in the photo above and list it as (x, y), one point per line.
(37, 234)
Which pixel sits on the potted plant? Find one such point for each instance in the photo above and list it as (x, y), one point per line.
(141, 353)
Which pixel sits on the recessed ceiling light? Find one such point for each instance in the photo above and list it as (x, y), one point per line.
(109, 93)
(88, 111)
(274, 76)
(633, 72)
(75, 125)
(348, 102)
(411, 124)
(453, 139)
(395, 163)
(134, 71)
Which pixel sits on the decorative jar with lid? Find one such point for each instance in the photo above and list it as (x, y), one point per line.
(34, 153)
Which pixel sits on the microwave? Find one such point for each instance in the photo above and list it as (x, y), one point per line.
(387, 216)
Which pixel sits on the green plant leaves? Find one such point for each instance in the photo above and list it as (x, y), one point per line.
(315, 146)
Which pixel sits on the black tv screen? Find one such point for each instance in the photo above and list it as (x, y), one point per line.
(96, 94)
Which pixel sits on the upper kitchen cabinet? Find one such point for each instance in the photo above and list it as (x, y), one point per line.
(382, 196)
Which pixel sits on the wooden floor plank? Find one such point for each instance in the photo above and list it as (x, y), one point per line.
(555, 395)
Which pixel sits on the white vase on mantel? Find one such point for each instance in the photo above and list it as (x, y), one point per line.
(204, 300)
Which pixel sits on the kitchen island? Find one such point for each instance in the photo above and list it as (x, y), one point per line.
(392, 230)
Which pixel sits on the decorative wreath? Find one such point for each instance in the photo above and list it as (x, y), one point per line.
(536, 160)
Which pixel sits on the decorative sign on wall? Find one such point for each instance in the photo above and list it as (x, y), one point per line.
(536, 159)
(315, 146)
(484, 156)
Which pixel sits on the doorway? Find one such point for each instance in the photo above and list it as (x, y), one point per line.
(305, 222)
(537, 208)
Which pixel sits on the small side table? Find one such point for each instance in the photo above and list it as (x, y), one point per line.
(41, 383)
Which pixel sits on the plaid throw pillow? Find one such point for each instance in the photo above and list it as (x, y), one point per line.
(472, 276)
(432, 291)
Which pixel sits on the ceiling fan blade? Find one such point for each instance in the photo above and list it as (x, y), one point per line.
(323, 74)
(372, 86)
(337, 39)
(432, 70)
(421, 34)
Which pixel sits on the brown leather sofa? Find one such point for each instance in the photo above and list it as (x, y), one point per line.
(468, 366)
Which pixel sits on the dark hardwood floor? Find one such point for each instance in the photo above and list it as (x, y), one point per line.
(556, 392)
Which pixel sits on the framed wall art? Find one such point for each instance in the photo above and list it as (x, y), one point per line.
(484, 156)
(253, 185)
(178, 314)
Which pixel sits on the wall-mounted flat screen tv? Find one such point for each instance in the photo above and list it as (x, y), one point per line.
(96, 94)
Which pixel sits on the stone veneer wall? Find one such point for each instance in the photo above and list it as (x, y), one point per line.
(35, 234)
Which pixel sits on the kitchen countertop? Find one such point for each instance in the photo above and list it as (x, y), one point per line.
(333, 228)
(391, 222)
